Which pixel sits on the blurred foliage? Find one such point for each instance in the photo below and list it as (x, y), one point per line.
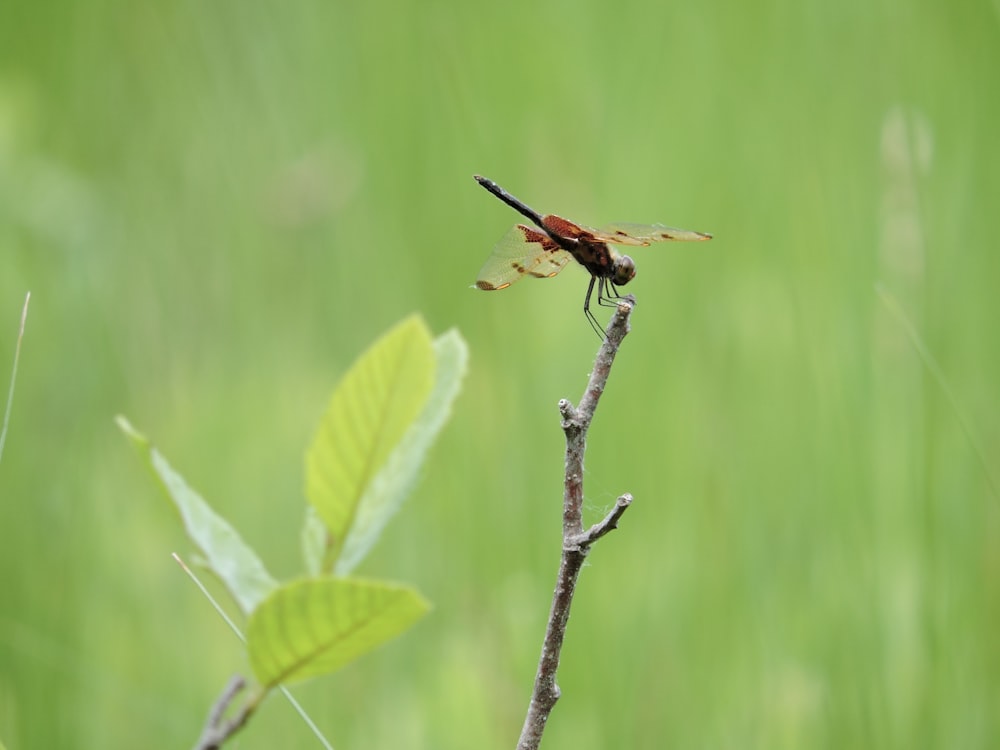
(217, 205)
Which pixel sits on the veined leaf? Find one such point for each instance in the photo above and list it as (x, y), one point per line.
(370, 411)
(318, 625)
(389, 488)
(228, 556)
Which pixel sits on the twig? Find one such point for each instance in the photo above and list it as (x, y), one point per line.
(576, 542)
(216, 729)
(610, 523)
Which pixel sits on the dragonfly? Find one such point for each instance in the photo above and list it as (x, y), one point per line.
(542, 251)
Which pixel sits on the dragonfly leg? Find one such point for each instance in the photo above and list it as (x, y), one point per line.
(591, 318)
(608, 300)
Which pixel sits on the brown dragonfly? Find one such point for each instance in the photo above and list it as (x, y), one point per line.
(544, 252)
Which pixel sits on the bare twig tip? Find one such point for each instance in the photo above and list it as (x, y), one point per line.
(567, 410)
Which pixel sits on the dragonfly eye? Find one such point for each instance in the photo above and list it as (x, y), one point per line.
(623, 271)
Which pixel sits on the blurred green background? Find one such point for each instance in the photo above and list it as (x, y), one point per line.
(218, 205)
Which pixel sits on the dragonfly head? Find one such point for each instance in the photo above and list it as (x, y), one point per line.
(623, 270)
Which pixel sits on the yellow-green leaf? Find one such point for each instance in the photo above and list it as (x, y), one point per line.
(389, 488)
(369, 413)
(318, 625)
(227, 555)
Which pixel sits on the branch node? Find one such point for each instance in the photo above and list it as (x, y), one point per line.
(567, 411)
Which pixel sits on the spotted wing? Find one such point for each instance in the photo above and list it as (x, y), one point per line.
(646, 234)
(523, 251)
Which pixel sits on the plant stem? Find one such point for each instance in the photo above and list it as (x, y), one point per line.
(576, 542)
(218, 729)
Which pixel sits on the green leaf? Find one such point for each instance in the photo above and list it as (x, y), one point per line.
(314, 536)
(393, 483)
(369, 413)
(228, 556)
(318, 625)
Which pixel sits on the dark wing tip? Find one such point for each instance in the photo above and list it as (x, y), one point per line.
(679, 234)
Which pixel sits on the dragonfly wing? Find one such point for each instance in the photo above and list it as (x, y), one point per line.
(646, 234)
(523, 251)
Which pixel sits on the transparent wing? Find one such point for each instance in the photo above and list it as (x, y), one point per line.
(523, 251)
(646, 234)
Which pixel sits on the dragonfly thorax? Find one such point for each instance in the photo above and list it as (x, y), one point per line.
(623, 270)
